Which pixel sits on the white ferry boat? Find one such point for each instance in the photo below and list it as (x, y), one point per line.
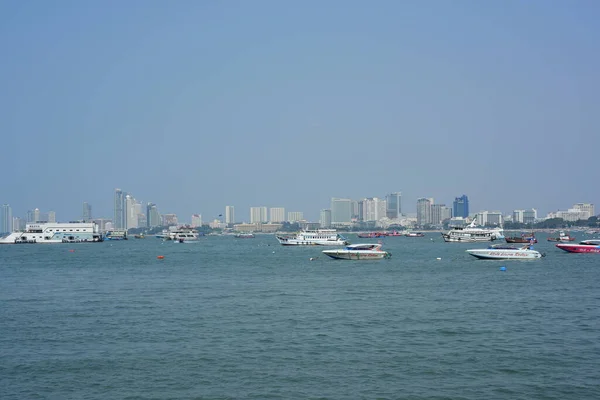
(183, 235)
(320, 237)
(55, 232)
(472, 233)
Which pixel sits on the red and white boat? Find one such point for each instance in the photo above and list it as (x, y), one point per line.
(562, 237)
(586, 246)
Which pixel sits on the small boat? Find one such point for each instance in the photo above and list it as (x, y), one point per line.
(140, 236)
(585, 246)
(503, 252)
(414, 234)
(364, 251)
(244, 235)
(395, 233)
(524, 238)
(117, 234)
(371, 235)
(562, 237)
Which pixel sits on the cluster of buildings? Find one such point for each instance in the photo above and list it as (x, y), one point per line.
(387, 211)
(10, 223)
(369, 212)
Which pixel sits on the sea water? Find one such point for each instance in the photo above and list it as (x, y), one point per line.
(231, 318)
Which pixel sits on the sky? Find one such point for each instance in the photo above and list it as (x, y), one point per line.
(194, 105)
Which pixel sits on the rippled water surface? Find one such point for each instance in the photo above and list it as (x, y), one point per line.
(248, 319)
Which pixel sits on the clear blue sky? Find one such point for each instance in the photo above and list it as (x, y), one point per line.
(195, 105)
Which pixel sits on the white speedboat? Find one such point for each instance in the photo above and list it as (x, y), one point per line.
(55, 232)
(503, 252)
(472, 233)
(321, 237)
(365, 251)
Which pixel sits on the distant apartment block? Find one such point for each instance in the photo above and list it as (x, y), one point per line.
(6, 219)
(152, 216)
(276, 214)
(86, 213)
(372, 209)
(325, 218)
(120, 214)
(229, 214)
(424, 210)
(258, 215)
(440, 213)
(295, 216)
(341, 211)
(489, 218)
(585, 207)
(525, 216)
(196, 220)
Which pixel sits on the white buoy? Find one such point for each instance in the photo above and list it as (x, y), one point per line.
(439, 258)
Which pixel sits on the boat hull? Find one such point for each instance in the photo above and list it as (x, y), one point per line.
(579, 248)
(467, 239)
(521, 240)
(504, 254)
(355, 255)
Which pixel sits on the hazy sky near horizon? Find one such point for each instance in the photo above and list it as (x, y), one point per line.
(195, 105)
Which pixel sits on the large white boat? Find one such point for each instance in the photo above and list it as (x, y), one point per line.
(365, 251)
(321, 237)
(473, 233)
(55, 232)
(504, 252)
(183, 235)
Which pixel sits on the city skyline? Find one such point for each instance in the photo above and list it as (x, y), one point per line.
(134, 214)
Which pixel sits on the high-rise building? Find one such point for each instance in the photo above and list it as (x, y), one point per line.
(258, 215)
(196, 220)
(373, 209)
(276, 214)
(440, 213)
(325, 218)
(51, 216)
(18, 224)
(393, 205)
(518, 215)
(152, 216)
(341, 211)
(86, 215)
(295, 216)
(120, 216)
(355, 210)
(424, 210)
(6, 219)
(36, 215)
(530, 216)
(131, 216)
(489, 218)
(461, 206)
(229, 215)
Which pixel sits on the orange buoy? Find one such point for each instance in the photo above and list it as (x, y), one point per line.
(160, 257)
